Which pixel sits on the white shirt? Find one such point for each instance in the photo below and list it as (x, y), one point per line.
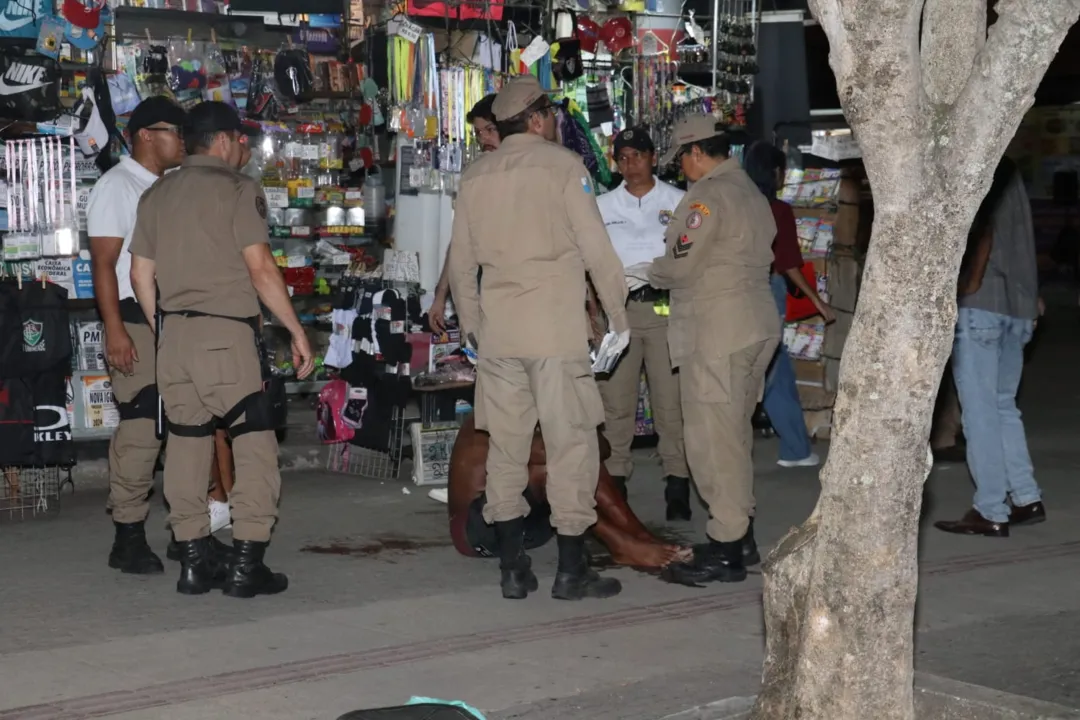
(636, 226)
(111, 210)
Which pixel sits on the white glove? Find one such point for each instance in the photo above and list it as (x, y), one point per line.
(639, 271)
(633, 283)
(610, 350)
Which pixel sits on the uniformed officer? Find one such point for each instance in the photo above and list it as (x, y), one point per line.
(157, 145)
(526, 215)
(722, 332)
(636, 215)
(201, 231)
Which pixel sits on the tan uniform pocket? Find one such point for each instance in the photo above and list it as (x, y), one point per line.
(680, 340)
(218, 364)
(707, 380)
(585, 408)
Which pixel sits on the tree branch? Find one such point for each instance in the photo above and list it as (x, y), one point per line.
(953, 32)
(874, 54)
(1005, 75)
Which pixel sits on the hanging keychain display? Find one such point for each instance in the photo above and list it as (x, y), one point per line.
(42, 220)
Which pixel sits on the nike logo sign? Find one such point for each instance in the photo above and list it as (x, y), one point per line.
(8, 24)
(8, 89)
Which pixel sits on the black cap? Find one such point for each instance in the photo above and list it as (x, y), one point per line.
(637, 138)
(154, 110)
(213, 117)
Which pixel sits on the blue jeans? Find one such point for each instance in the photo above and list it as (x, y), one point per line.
(781, 396)
(988, 359)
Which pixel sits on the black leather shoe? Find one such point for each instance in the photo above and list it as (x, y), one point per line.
(973, 523)
(198, 573)
(716, 562)
(620, 483)
(517, 579)
(248, 576)
(1031, 514)
(219, 551)
(750, 554)
(575, 580)
(130, 552)
(677, 497)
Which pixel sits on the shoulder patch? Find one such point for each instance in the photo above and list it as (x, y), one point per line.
(701, 208)
(260, 206)
(586, 185)
(665, 217)
(693, 220)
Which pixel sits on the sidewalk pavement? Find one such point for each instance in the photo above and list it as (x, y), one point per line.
(381, 607)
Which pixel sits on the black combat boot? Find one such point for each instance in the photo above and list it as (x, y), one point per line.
(716, 561)
(131, 554)
(518, 579)
(199, 574)
(248, 576)
(677, 496)
(620, 484)
(750, 554)
(219, 551)
(575, 580)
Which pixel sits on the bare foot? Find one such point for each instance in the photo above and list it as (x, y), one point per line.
(642, 553)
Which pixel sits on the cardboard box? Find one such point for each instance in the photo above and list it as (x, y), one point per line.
(809, 372)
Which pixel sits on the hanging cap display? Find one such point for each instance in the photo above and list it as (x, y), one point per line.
(79, 15)
(691, 129)
(588, 32)
(618, 34)
(517, 95)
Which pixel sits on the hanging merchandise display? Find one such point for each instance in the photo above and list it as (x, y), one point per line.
(40, 177)
(31, 85)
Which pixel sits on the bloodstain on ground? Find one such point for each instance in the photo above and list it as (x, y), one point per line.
(376, 546)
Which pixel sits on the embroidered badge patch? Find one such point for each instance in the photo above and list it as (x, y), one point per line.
(260, 206)
(693, 220)
(681, 248)
(701, 208)
(665, 217)
(586, 186)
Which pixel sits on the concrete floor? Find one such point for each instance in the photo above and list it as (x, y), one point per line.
(393, 611)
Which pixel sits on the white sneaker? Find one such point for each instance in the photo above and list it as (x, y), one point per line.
(440, 495)
(220, 517)
(811, 460)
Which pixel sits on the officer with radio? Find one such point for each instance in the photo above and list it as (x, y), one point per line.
(201, 238)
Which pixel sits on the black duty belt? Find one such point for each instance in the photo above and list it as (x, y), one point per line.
(647, 294)
(131, 312)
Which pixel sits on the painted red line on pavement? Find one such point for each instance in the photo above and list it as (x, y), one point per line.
(192, 689)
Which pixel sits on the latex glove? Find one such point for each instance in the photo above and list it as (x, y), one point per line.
(633, 283)
(610, 350)
(639, 271)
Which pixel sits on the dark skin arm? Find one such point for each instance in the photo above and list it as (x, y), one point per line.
(980, 259)
(797, 279)
(119, 349)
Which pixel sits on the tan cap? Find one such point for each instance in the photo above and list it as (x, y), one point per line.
(691, 129)
(517, 95)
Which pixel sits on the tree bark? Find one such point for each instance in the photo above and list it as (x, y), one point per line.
(840, 589)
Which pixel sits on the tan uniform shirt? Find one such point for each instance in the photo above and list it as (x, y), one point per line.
(718, 250)
(194, 223)
(527, 216)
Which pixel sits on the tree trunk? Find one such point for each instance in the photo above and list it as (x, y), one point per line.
(840, 595)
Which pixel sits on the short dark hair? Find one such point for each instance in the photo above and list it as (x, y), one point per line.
(482, 110)
(519, 123)
(761, 162)
(199, 143)
(718, 146)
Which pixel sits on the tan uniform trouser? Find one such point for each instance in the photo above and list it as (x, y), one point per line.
(719, 395)
(134, 448)
(560, 394)
(207, 366)
(648, 344)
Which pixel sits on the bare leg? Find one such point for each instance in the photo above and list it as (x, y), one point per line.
(221, 471)
(629, 542)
